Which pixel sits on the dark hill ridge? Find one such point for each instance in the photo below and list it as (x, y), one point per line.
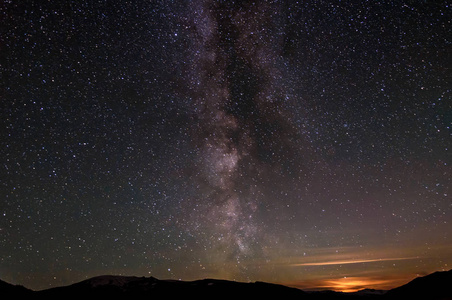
(144, 287)
(10, 289)
(436, 286)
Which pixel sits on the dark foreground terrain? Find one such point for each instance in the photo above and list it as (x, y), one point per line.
(436, 286)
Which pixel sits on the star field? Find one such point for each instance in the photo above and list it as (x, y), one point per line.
(299, 142)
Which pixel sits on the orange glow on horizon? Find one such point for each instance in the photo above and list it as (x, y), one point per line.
(350, 269)
(350, 284)
(353, 284)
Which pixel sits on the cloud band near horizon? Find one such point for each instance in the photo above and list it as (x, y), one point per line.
(346, 262)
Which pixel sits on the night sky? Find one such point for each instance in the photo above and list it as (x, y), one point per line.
(306, 143)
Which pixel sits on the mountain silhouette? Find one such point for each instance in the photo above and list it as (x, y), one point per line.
(144, 287)
(10, 290)
(436, 286)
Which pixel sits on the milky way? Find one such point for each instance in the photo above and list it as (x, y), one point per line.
(242, 130)
(304, 143)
